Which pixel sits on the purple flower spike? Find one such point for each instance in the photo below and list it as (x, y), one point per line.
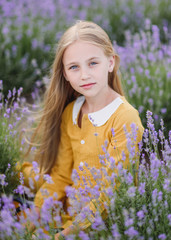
(48, 178)
(83, 235)
(9, 94)
(162, 236)
(2, 180)
(140, 214)
(141, 188)
(131, 191)
(115, 232)
(131, 232)
(35, 167)
(113, 132)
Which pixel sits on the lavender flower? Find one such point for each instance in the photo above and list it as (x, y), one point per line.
(160, 196)
(162, 236)
(21, 178)
(129, 178)
(113, 132)
(48, 178)
(131, 191)
(83, 235)
(9, 94)
(2, 180)
(129, 222)
(98, 223)
(35, 167)
(31, 183)
(115, 232)
(20, 190)
(140, 214)
(131, 232)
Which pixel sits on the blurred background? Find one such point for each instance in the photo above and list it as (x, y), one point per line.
(139, 29)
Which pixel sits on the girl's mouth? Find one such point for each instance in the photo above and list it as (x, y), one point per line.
(87, 86)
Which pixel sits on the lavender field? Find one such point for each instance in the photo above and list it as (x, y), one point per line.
(141, 33)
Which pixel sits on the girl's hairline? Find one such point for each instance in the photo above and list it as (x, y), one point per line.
(90, 42)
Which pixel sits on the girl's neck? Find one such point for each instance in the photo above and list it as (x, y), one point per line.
(92, 105)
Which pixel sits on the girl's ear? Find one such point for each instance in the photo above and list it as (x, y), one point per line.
(111, 63)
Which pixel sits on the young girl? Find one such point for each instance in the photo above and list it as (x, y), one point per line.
(84, 101)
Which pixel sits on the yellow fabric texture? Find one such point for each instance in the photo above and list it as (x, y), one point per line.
(84, 145)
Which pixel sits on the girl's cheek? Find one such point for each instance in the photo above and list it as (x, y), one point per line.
(75, 74)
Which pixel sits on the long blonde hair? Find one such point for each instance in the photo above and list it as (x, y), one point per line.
(60, 92)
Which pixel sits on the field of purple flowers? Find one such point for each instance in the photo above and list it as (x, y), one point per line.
(141, 34)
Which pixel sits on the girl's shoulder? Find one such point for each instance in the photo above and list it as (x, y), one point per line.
(128, 114)
(127, 107)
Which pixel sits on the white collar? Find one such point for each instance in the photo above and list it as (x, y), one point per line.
(96, 118)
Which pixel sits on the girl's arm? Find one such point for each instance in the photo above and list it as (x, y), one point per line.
(60, 173)
(62, 170)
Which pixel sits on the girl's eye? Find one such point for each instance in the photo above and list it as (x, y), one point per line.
(73, 67)
(93, 63)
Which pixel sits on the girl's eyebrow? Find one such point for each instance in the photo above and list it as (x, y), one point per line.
(90, 59)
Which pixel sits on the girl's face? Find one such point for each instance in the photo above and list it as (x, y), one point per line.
(86, 67)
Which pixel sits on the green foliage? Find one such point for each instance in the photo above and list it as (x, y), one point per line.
(9, 156)
(151, 93)
(145, 67)
(25, 59)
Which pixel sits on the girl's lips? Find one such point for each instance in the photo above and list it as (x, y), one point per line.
(89, 85)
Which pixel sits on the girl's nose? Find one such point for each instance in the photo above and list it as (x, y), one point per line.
(84, 73)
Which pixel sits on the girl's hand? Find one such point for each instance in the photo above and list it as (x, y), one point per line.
(60, 235)
(65, 232)
(57, 236)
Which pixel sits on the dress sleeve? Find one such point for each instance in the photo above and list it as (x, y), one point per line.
(126, 134)
(118, 145)
(62, 170)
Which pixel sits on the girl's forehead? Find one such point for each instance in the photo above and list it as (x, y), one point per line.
(82, 49)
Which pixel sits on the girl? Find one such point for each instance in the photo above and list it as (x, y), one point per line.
(84, 96)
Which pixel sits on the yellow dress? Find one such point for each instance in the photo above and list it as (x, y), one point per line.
(79, 145)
